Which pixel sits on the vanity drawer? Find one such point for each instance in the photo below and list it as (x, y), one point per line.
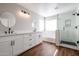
(27, 35)
(28, 40)
(28, 45)
(2, 39)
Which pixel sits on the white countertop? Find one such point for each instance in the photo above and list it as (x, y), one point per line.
(3, 35)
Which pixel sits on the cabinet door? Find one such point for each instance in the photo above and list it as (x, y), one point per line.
(31, 41)
(18, 46)
(26, 44)
(5, 48)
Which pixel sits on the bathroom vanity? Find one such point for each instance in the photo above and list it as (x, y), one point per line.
(15, 44)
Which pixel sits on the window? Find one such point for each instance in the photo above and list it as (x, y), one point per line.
(47, 25)
(33, 25)
(50, 25)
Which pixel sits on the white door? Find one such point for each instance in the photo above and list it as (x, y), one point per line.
(18, 46)
(5, 48)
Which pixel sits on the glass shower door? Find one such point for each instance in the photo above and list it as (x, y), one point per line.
(69, 32)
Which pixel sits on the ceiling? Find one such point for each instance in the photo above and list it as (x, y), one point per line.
(49, 9)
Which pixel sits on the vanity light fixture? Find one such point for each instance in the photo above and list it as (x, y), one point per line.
(23, 11)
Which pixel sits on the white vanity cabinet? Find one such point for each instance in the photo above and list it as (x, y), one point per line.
(5, 46)
(11, 45)
(18, 43)
(18, 46)
(31, 41)
(27, 42)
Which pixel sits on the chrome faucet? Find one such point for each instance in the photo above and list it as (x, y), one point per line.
(9, 31)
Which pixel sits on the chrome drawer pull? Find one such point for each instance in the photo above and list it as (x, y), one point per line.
(30, 44)
(30, 39)
(12, 43)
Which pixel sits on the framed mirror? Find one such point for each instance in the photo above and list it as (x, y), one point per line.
(8, 19)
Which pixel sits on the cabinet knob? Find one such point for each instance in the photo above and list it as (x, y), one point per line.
(30, 39)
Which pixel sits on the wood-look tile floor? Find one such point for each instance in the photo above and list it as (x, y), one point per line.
(49, 49)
